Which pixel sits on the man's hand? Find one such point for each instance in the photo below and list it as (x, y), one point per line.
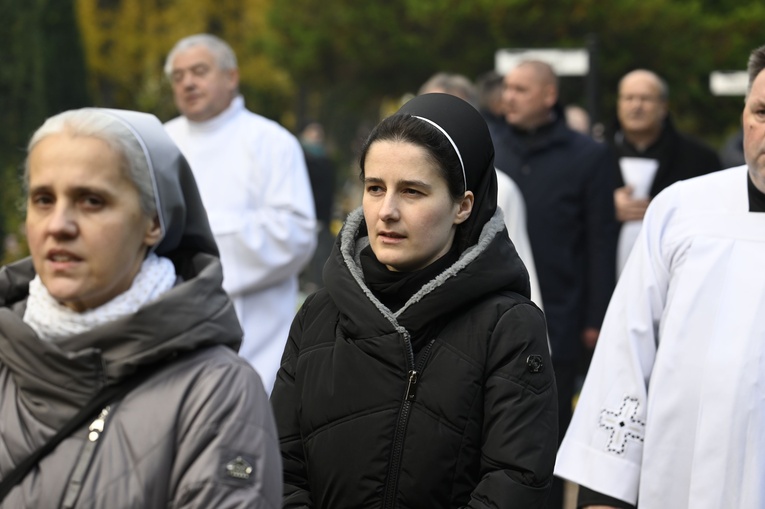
(590, 337)
(627, 207)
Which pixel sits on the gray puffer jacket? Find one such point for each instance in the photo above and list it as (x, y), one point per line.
(198, 433)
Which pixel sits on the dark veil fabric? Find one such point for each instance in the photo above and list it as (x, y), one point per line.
(182, 216)
(467, 129)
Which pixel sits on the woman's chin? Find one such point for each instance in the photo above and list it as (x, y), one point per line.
(73, 303)
(72, 298)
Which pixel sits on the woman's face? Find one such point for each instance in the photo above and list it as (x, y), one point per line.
(87, 233)
(409, 212)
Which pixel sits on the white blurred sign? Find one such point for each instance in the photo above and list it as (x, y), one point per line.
(728, 82)
(565, 62)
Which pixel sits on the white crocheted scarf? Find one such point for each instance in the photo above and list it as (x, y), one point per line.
(52, 320)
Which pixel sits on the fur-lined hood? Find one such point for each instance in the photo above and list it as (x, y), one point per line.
(491, 265)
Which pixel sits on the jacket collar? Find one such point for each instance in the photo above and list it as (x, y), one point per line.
(224, 117)
(194, 314)
(491, 265)
(541, 139)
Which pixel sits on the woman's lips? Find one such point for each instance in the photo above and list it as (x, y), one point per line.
(61, 259)
(390, 237)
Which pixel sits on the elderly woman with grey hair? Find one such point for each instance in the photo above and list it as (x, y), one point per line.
(120, 385)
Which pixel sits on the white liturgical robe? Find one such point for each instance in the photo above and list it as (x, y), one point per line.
(254, 184)
(672, 412)
(510, 200)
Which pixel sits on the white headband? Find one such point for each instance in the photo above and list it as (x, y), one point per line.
(464, 178)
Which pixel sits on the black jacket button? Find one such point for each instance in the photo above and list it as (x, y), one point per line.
(534, 364)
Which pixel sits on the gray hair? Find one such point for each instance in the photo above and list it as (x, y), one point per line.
(92, 122)
(488, 85)
(222, 53)
(454, 84)
(755, 65)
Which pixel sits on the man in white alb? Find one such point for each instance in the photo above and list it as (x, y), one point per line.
(254, 184)
(672, 413)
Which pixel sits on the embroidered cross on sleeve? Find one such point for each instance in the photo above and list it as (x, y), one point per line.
(623, 425)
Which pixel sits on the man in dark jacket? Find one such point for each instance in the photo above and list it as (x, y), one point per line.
(652, 153)
(566, 180)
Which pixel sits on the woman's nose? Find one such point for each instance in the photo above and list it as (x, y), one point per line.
(62, 221)
(389, 208)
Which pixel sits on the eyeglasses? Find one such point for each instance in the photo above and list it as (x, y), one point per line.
(628, 98)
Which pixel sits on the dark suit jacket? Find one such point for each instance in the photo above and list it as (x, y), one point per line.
(567, 183)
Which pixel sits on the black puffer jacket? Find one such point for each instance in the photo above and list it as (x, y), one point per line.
(470, 421)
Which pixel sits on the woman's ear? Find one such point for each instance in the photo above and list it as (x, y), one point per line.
(153, 232)
(465, 208)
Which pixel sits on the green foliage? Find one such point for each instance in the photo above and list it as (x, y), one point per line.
(385, 49)
(346, 63)
(43, 73)
(127, 41)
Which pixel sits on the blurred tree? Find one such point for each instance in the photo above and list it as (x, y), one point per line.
(340, 61)
(346, 63)
(126, 42)
(353, 55)
(43, 73)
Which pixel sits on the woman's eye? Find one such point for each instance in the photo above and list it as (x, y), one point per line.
(41, 200)
(374, 189)
(411, 192)
(92, 201)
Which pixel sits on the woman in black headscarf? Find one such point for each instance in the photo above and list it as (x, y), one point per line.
(420, 377)
(120, 385)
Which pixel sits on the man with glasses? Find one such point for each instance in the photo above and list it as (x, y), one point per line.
(671, 413)
(652, 153)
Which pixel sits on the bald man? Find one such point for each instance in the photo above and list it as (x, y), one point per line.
(652, 153)
(566, 179)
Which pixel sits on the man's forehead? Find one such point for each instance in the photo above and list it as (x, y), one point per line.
(758, 86)
(522, 74)
(192, 57)
(642, 80)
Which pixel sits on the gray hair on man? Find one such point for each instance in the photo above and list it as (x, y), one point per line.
(454, 84)
(755, 65)
(222, 53)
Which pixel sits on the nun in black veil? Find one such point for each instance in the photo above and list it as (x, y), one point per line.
(420, 375)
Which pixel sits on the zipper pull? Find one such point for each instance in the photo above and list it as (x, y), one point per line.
(97, 426)
(411, 387)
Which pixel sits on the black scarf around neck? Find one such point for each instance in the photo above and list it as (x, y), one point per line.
(394, 289)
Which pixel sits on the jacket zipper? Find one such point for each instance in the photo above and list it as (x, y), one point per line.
(412, 378)
(95, 429)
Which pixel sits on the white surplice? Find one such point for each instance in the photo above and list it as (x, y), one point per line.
(253, 181)
(672, 412)
(638, 173)
(510, 200)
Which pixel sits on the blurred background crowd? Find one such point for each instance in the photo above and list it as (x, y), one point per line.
(343, 65)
